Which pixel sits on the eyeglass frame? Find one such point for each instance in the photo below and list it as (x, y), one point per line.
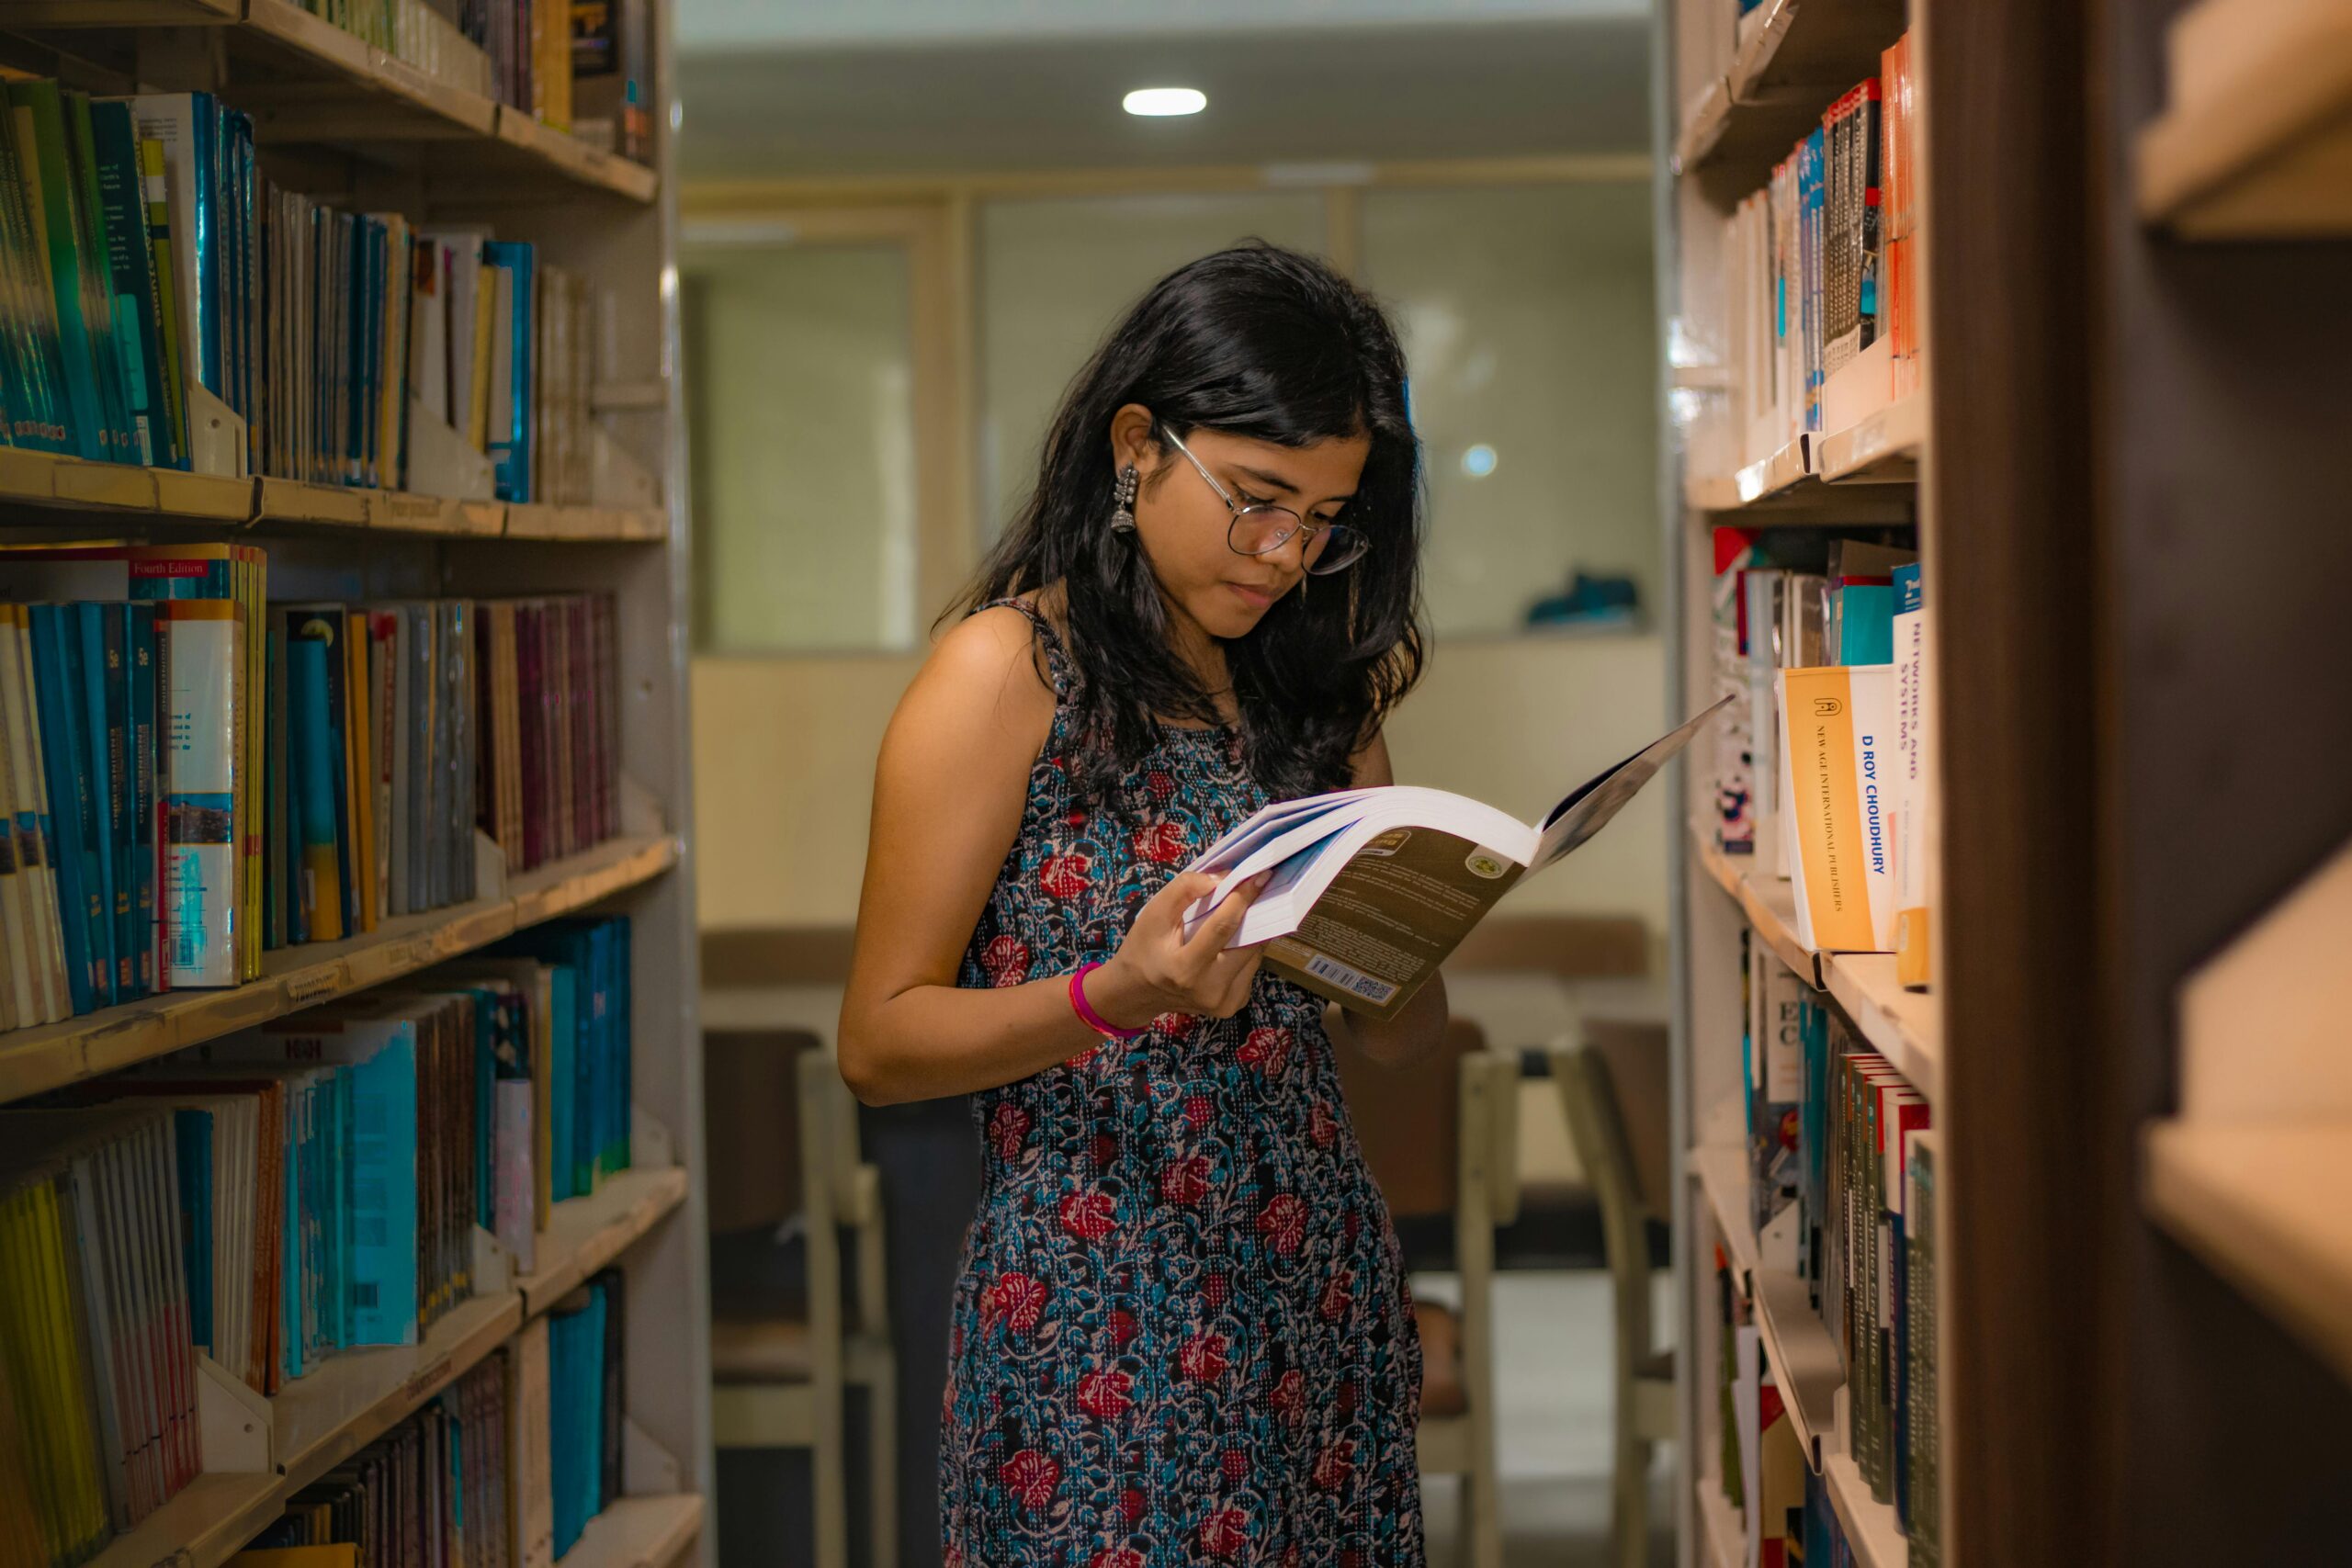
(1302, 527)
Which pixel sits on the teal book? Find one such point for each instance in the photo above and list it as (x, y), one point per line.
(80, 913)
(44, 157)
(99, 300)
(564, 1087)
(84, 634)
(38, 418)
(624, 1046)
(106, 697)
(511, 402)
(137, 297)
(149, 701)
(192, 1145)
(289, 1236)
(319, 892)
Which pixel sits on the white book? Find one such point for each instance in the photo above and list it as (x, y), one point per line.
(203, 657)
(1838, 753)
(1915, 837)
(511, 1168)
(1370, 890)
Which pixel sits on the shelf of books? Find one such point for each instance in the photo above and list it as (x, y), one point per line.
(349, 1068)
(2257, 129)
(1809, 1035)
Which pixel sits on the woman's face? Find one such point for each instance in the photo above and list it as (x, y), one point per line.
(1183, 524)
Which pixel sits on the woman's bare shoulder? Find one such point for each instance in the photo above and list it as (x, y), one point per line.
(988, 664)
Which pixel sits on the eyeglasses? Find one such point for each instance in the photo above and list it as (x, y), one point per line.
(1260, 528)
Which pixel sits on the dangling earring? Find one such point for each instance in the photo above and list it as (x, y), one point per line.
(1122, 521)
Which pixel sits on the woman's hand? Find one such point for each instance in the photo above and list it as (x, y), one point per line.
(1158, 969)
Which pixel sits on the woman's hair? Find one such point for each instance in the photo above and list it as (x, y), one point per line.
(1258, 341)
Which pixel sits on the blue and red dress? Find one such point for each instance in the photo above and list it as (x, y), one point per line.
(1182, 1334)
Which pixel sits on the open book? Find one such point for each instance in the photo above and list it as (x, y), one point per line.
(1373, 888)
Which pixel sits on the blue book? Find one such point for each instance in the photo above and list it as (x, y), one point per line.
(624, 1052)
(69, 803)
(137, 321)
(133, 932)
(564, 1089)
(289, 1246)
(147, 699)
(510, 433)
(192, 1140)
(311, 747)
(53, 197)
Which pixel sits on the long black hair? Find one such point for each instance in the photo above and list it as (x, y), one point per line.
(1258, 341)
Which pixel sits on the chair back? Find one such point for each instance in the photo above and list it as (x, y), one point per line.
(750, 1125)
(1406, 1119)
(1596, 1120)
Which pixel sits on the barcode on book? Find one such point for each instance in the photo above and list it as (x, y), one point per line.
(1348, 980)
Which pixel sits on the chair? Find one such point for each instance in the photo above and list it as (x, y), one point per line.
(1466, 1163)
(779, 1381)
(1629, 1182)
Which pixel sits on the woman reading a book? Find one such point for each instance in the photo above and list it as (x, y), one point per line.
(1182, 1333)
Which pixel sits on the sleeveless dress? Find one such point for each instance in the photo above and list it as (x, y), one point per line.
(1182, 1334)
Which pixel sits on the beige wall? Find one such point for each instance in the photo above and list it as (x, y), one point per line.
(784, 765)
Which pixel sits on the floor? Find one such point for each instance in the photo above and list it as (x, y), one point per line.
(1552, 1346)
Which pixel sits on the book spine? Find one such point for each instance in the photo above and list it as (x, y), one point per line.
(38, 414)
(40, 139)
(310, 732)
(146, 841)
(99, 303)
(202, 786)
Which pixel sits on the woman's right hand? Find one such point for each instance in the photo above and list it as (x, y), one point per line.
(1158, 969)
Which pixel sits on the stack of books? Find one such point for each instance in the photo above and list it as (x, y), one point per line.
(98, 1424)
(193, 775)
(1842, 1186)
(168, 305)
(502, 1470)
(1821, 264)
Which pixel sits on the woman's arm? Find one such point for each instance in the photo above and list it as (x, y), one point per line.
(948, 793)
(1421, 1023)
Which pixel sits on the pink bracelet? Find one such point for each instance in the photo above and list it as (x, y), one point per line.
(1087, 1014)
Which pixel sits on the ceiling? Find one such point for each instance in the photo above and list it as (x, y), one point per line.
(864, 88)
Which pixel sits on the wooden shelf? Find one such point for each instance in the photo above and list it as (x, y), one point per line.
(1770, 475)
(2267, 1205)
(584, 1235)
(1870, 1525)
(637, 1532)
(305, 80)
(49, 485)
(2256, 140)
(353, 1398)
(203, 1527)
(1793, 58)
(1906, 1027)
(1804, 1358)
(1720, 1170)
(34, 1060)
(1883, 448)
(1721, 1526)
(1770, 907)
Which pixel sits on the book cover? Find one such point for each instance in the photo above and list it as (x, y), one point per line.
(141, 660)
(53, 198)
(203, 661)
(312, 744)
(1835, 775)
(514, 375)
(59, 718)
(37, 409)
(137, 321)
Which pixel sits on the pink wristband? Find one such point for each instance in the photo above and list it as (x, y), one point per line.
(1087, 1014)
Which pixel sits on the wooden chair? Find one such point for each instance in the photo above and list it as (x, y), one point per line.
(1628, 1179)
(780, 1381)
(1442, 1135)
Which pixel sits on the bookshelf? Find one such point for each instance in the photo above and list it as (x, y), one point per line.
(2131, 548)
(344, 122)
(1751, 86)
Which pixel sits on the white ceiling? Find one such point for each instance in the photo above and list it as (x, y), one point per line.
(706, 25)
(938, 87)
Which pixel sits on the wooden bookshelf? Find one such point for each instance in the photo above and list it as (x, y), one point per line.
(1720, 1170)
(2255, 140)
(1769, 904)
(46, 489)
(1826, 478)
(2267, 1205)
(1804, 1355)
(637, 1532)
(35, 1060)
(306, 80)
(336, 116)
(1792, 58)
(1906, 1027)
(1880, 448)
(584, 1235)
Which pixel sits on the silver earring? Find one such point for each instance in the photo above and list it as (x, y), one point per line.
(1122, 521)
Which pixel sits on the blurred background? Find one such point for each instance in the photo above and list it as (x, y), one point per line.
(907, 223)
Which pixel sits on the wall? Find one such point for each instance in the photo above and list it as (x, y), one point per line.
(785, 747)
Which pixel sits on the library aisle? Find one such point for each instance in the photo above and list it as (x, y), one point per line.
(350, 1084)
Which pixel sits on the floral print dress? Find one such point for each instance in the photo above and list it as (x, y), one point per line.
(1182, 1334)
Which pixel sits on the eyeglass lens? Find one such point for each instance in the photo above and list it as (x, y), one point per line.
(1262, 530)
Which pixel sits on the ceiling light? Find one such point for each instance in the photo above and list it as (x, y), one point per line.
(1159, 101)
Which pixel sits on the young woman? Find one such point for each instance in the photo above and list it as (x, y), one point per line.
(1182, 1334)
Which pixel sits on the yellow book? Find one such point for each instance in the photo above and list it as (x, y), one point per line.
(43, 1351)
(342, 1554)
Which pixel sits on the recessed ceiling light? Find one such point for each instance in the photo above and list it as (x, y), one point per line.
(1161, 101)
